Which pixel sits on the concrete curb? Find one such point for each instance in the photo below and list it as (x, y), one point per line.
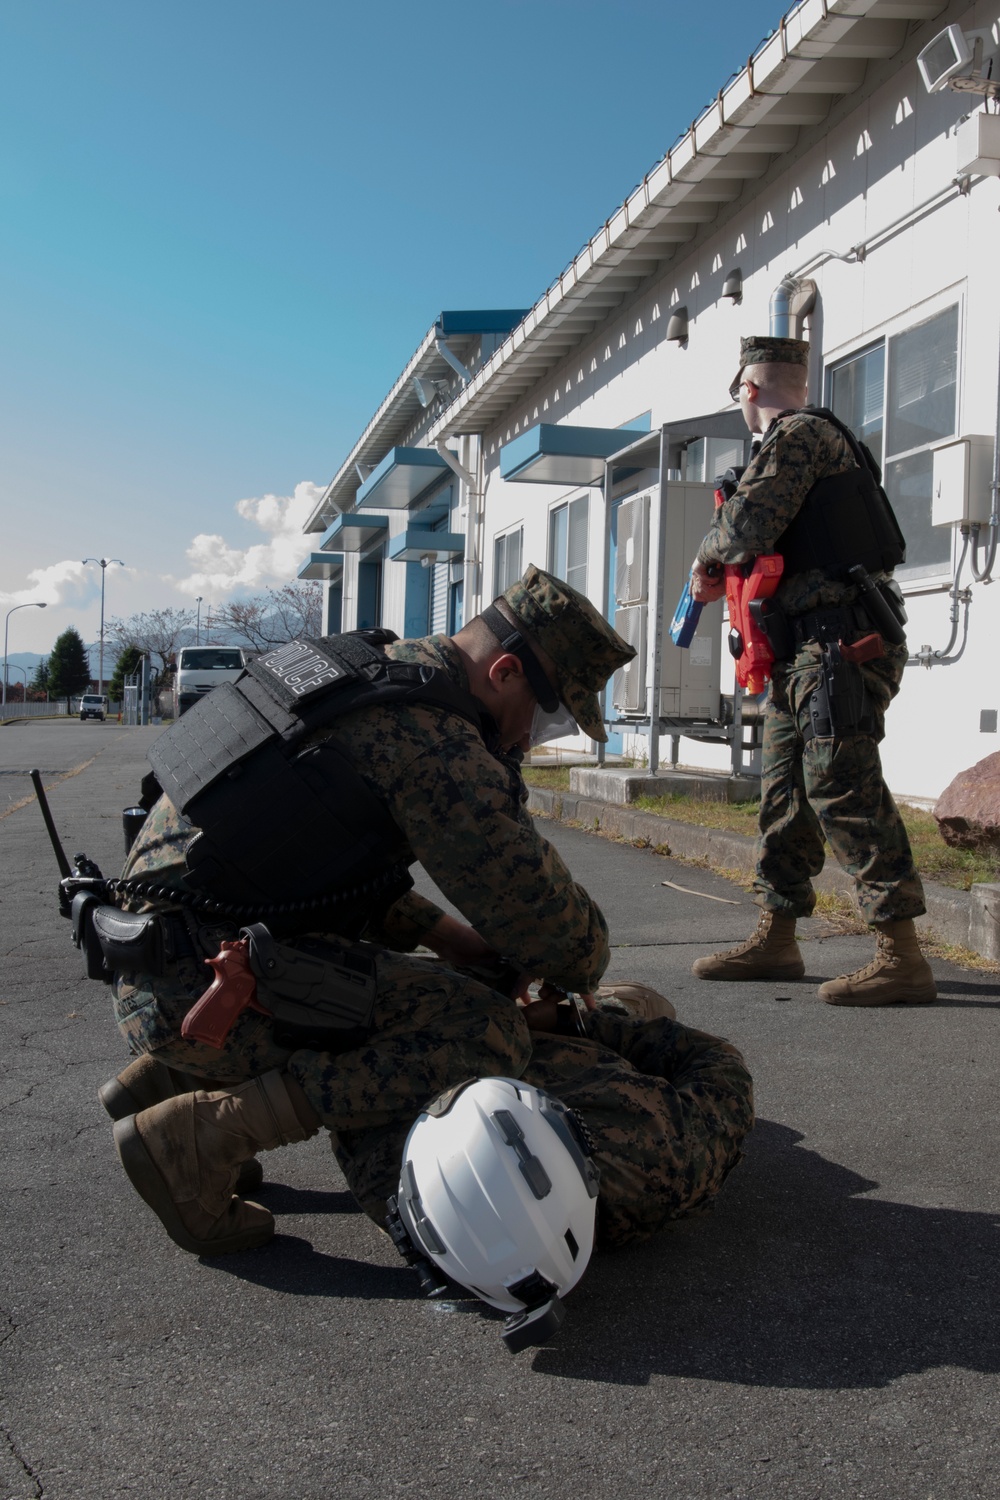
(967, 919)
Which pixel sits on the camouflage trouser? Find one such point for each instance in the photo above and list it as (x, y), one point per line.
(667, 1108)
(832, 787)
(431, 1028)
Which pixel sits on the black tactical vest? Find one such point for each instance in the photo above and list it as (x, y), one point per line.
(279, 823)
(845, 519)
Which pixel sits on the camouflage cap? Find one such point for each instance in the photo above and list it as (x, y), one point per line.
(582, 645)
(761, 349)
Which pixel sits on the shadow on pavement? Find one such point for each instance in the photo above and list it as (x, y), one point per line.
(798, 1282)
(290, 1264)
(281, 1199)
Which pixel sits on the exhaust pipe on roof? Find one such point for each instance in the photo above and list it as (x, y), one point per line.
(792, 300)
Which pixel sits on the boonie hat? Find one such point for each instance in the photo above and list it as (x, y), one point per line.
(762, 349)
(583, 647)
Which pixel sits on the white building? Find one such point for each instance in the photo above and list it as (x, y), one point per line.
(825, 176)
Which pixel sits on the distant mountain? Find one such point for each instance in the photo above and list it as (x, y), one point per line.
(29, 660)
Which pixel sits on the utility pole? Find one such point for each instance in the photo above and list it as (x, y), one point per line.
(102, 563)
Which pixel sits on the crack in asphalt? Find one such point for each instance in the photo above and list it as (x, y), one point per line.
(38, 1490)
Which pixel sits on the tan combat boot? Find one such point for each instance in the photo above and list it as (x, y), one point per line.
(146, 1082)
(639, 1000)
(897, 975)
(182, 1156)
(770, 952)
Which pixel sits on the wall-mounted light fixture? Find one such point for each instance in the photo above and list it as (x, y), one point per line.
(677, 326)
(732, 287)
(428, 390)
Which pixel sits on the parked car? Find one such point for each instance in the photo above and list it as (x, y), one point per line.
(93, 706)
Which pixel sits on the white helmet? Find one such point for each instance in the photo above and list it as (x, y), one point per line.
(499, 1190)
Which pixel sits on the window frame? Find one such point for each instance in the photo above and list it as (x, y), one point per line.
(501, 537)
(561, 506)
(922, 577)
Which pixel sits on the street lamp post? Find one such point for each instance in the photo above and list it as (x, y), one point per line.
(102, 563)
(12, 666)
(197, 628)
(32, 604)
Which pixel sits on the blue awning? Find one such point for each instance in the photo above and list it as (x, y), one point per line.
(560, 454)
(401, 477)
(322, 566)
(420, 542)
(352, 533)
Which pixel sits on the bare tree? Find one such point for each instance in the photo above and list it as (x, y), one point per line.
(277, 615)
(160, 632)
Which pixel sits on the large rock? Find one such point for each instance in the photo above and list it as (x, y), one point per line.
(968, 811)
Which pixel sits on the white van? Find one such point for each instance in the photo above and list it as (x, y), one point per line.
(201, 668)
(93, 706)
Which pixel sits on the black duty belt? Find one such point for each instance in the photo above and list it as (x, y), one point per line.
(839, 622)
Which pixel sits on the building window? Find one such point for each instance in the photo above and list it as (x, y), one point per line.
(900, 397)
(568, 543)
(507, 560)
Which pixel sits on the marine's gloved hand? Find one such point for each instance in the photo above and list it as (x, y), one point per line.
(707, 586)
(549, 1011)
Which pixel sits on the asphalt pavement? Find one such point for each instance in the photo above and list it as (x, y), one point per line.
(831, 1330)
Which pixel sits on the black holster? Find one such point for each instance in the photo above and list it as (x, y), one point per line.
(841, 704)
(321, 994)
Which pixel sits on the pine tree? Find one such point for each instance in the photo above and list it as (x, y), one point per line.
(40, 682)
(69, 666)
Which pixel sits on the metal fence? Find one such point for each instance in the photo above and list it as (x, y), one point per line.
(32, 710)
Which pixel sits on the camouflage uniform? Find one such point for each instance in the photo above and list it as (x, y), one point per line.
(460, 809)
(667, 1109)
(816, 787)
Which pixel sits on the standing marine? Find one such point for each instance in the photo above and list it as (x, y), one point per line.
(809, 494)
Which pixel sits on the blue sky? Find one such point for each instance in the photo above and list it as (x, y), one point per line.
(226, 226)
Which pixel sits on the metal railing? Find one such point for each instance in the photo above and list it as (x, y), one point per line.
(12, 710)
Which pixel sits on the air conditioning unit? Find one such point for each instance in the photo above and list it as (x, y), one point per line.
(689, 679)
(632, 559)
(628, 688)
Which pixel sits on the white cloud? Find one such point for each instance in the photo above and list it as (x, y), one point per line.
(56, 584)
(218, 568)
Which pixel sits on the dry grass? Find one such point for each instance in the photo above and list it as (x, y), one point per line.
(958, 868)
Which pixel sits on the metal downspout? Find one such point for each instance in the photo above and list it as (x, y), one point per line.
(473, 509)
(792, 300)
(982, 574)
(606, 602)
(655, 620)
(452, 359)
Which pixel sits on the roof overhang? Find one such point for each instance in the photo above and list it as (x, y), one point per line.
(402, 407)
(816, 57)
(402, 477)
(353, 532)
(562, 454)
(644, 451)
(322, 567)
(419, 545)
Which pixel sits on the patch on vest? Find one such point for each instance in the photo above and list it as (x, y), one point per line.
(300, 670)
